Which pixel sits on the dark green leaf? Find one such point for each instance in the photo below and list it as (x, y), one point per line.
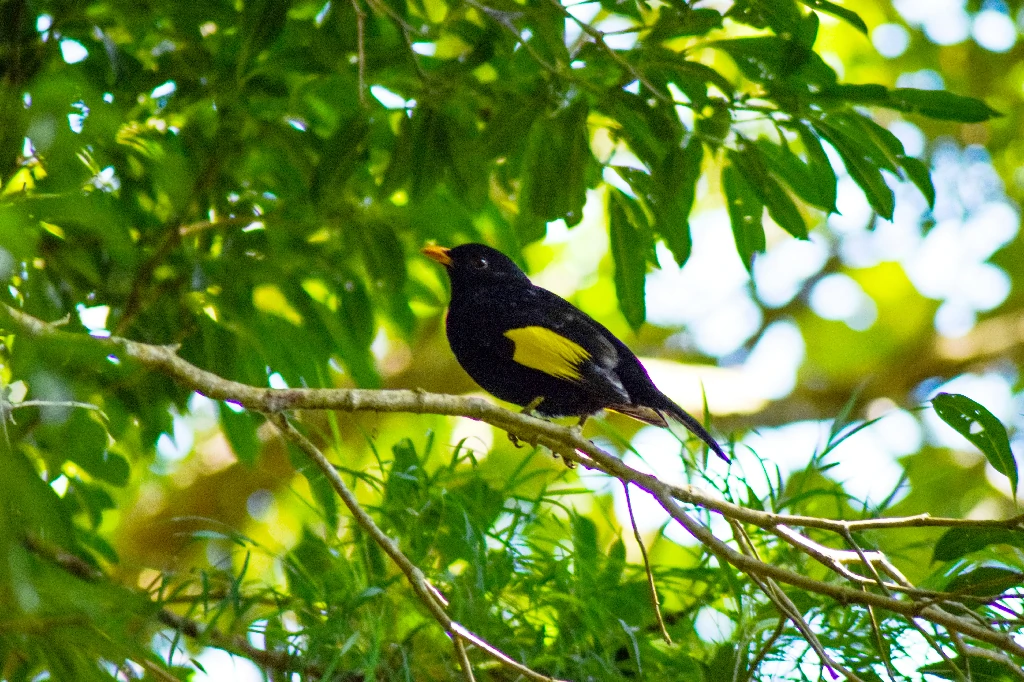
(782, 209)
(978, 425)
(384, 257)
(88, 449)
(262, 23)
(941, 105)
(240, 429)
(807, 30)
(780, 64)
(646, 129)
(745, 211)
(822, 173)
(869, 93)
(921, 175)
(849, 16)
(631, 243)
(982, 669)
(787, 166)
(984, 581)
(861, 157)
(557, 168)
(684, 21)
(713, 126)
(779, 204)
(585, 551)
(615, 564)
(674, 185)
(692, 77)
(958, 542)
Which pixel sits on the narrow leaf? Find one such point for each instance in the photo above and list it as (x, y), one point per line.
(849, 16)
(919, 174)
(674, 187)
(822, 173)
(745, 212)
(631, 240)
(860, 156)
(942, 105)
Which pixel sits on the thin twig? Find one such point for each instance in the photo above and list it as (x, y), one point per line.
(361, 49)
(786, 606)
(598, 37)
(647, 567)
(460, 653)
(765, 648)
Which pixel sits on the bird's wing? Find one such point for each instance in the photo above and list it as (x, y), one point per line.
(553, 336)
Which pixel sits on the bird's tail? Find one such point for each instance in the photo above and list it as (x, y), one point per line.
(694, 426)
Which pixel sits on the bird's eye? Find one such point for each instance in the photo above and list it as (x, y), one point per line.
(480, 263)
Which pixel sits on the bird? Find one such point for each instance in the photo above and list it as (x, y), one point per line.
(530, 347)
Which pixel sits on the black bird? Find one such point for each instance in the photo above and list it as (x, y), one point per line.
(530, 347)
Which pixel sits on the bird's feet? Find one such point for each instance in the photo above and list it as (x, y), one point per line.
(527, 410)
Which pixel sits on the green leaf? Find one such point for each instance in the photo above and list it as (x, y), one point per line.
(384, 257)
(692, 77)
(984, 581)
(674, 186)
(240, 429)
(713, 127)
(262, 23)
(780, 64)
(797, 175)
(87, 447)
(779, 204)
(782, 209)
(861, 157)
(978, 425)
(941, 105)
(679, 21)
(631, 243)
(921, 175)
(745, 211)
(615, 564)
(646, 129)
(849, 16)
(585, 551)
(557, 168)
(958, 542)
(806, 32)
(822, 173)
(982, 669)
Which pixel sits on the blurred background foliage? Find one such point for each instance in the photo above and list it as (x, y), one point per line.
(788, 229)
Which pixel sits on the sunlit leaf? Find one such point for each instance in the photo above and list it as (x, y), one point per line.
(975, 423)
(745, 212)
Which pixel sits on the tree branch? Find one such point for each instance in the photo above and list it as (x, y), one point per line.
(572, 447)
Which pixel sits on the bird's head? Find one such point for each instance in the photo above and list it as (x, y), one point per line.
(476, 265)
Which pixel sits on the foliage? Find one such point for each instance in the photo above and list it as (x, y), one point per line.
(251, 181)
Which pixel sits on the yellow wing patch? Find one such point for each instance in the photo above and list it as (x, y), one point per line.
(547, 351)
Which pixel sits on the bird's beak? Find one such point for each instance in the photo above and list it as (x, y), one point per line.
(439, 254)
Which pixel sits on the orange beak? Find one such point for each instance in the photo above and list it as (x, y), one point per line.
(439, 254)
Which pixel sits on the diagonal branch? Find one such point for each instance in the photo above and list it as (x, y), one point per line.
(572, 447)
